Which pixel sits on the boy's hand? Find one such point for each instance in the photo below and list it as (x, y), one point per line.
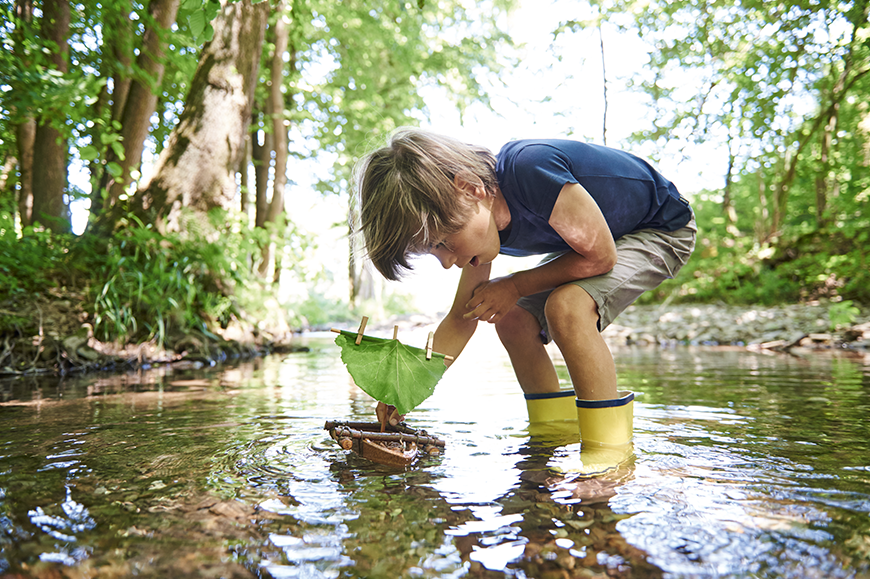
(492, 300)
(388, 413)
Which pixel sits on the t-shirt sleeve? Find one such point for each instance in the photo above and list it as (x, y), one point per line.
(541, 171)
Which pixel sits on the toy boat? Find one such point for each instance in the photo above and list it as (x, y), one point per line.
(400, 445)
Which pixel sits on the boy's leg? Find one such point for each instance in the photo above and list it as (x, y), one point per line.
(520, 333)
(644, 259)
(572, 317)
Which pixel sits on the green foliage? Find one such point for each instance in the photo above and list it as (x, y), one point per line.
(138, 285)
(389, 371)
(361, 65)
(759, 79)
(28, 262)
(782, 89)
(736, 269)
(49, 95)
(357, 69)
(842, 314)
(147, 286)
(319, 311)
(104, 41)
(198, 15)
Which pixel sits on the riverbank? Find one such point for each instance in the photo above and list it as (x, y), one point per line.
(773, 328)
(58, 340)
(53, 335)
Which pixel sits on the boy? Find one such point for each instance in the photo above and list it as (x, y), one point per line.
(611, 227)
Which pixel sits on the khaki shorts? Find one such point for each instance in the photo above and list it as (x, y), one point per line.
(644, 259)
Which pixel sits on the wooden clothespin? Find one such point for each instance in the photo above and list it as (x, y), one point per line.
(362, 328)
(429, 351)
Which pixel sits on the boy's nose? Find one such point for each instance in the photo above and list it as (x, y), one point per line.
(446, 257)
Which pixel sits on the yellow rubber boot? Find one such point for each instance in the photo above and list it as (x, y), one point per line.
(551, 407)
(605, 432)
(553, 416)
(606, 422)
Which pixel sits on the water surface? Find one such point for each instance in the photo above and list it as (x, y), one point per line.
(745, 465)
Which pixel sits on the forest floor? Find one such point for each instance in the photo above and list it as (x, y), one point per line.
(52, 335)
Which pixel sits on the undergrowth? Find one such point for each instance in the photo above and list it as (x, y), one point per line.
(742, 272)
(136, 285)
(733, 268)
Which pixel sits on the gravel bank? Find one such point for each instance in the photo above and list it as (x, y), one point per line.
(778, 328)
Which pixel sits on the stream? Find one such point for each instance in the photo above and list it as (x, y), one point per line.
(745, 464)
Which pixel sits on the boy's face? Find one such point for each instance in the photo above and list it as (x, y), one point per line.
(477, 243)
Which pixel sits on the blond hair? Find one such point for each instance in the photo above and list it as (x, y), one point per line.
(407, 196)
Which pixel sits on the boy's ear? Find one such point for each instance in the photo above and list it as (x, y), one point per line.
(470, 186)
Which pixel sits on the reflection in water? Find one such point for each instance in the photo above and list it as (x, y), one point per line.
(73, 518)
(742, 465)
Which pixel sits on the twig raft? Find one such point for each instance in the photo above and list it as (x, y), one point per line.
(399, 447)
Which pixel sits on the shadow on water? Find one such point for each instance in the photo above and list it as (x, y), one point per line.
(744, 465)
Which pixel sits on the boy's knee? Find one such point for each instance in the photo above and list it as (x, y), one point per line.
(570, 307)
(516, 325)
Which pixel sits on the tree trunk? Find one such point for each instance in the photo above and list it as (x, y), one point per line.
(779, 199)
(25, 131)
(49, 146)
(727, 197)
(139, 101)
(277, 107)
(261, 158)
(9, 164)
(121, 80)
(245, 175)
(262, 155)
(826, 140)
(761, 224)
(603, 84)
(118, 38)
(196, 170)
(279, 134)
(25, 137)
(821, 181)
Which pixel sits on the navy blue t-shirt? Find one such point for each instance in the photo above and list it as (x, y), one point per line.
(630, 193)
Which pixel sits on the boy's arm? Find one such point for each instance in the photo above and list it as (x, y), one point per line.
(578, 220)
(453, 332)
(455, 329)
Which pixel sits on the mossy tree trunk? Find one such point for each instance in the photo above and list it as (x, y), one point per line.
(134, 102)
(49, 145)
(277, 107)
(196, 170)
(25, 129)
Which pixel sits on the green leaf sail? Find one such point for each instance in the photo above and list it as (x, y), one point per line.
(389, 371)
